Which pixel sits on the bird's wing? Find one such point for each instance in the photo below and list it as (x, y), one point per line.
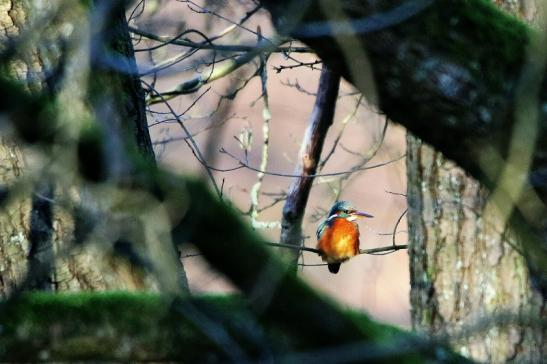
(323, 226)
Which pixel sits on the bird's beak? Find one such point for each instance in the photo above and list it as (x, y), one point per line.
(362, 214)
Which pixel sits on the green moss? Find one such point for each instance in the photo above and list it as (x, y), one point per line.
(107, 326)
(144, 326)
(450, 27)
(383, 333)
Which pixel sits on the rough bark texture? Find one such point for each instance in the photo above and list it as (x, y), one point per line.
(466, 265)
(308, 157)
(15, 215)
(30, 241)
(113, 64)
(14, 221)
(454, 73)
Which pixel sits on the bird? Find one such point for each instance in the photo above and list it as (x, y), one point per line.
(338, 235)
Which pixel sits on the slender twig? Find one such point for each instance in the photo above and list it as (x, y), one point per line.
(310, 65)
(345, 122)
(199, 80)
(241, 26)
(396, 225)
(372, 251)
(242, 164)
(220, 16)
(166, 40)
(293, 247)
(217, 47)
(178, 58)
(396, 193)
(298, 87)
(274, 202)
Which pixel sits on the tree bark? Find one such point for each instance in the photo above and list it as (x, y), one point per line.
(113, 64)
(20, 245)
(41, 243)
(308, 157)
(466, 264)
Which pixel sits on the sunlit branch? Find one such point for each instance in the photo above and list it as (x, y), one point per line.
(200, 79)
(218, 47)
(266, 116)
(178, 58)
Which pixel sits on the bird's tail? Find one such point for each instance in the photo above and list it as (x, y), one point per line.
(334, 267)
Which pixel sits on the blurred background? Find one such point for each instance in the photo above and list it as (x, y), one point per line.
(377, 284)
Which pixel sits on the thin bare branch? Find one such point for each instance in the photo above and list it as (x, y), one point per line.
(243, 164)
(266, 116)
(310, 153)
(373, 251)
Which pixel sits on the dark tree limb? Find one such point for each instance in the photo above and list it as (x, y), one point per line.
(309, 156)
(457, 74)
(130, 327)
(113, 63)
(40, 256)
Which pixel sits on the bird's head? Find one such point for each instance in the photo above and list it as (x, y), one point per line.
(345, 210)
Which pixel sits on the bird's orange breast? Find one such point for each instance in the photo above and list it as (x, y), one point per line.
(339, 241)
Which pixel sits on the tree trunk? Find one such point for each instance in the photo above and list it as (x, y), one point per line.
(465, 265)
(16, 216)
(468, 277)
(41, 242)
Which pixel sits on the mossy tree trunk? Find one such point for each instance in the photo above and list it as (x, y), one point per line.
(466, 264)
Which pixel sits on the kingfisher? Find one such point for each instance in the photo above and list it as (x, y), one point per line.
(338, 235)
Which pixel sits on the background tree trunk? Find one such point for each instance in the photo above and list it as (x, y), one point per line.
(15, 215)
(465, 265)
(87, 267)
